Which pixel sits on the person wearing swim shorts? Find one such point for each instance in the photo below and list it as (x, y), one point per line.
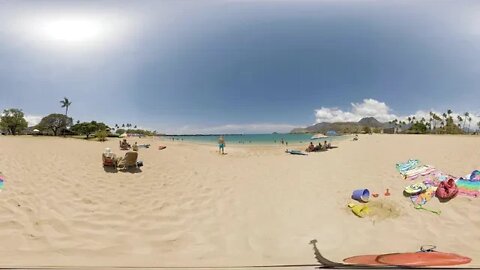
(221, 145)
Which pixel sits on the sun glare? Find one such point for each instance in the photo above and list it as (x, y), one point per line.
(72, 30)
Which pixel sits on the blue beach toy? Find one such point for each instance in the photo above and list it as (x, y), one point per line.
(361, 195)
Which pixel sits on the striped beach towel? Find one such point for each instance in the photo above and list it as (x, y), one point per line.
(419, 171)
(470, 185)
(407, 166)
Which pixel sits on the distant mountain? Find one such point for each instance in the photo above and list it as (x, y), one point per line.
(371, 122)
(343, 127)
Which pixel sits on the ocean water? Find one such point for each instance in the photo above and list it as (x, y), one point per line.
(256, 138)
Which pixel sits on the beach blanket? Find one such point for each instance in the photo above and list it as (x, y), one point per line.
(424, 197)
(419, 171)
(436, 177)
(470, 185)
(406, 166)
(2, 180)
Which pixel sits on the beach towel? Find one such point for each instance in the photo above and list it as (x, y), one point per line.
(436, 177)
(416, 172)
(424, 197)
(470, 185)
(419, 200)
(406, 166)
(2, 180)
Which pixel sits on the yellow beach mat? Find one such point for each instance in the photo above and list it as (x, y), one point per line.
(360, 210)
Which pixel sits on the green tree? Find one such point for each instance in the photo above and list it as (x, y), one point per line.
(367, 129)
(88, 128)
(101, 135)
(120, 131)
(65, 104)
(55, 122)
(418, 128)
(13, 120)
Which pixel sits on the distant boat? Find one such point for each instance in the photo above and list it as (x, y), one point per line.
(319, 136)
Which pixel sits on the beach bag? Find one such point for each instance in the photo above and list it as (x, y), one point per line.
(446, 190)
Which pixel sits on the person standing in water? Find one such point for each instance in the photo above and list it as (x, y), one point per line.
(221, 145)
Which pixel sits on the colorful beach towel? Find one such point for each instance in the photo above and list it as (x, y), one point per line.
(421, 199)
(436, 177)
(2, 179)
(424, 197)
(421, 170)
(406, 166)
(469, 186)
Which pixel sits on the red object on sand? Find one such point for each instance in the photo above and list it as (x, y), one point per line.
(387, 193)
(364, 260)
(417, 259)
(375, 195)
(423, 259)
(446, 190)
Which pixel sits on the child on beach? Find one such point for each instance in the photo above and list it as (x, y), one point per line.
(221, 145)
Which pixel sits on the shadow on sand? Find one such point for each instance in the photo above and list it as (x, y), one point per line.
(126, 170)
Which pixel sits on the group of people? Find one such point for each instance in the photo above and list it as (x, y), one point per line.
(124, 145)
(319, 147)
(109, 158)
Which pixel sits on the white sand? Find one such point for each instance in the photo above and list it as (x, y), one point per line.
(190, 206)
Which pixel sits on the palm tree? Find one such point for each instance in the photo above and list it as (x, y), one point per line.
(413, 119)
(444, 116)
(460, 120)
(469, 122)
(449, 112)
(409, 120)
(78, 121)
(422, 120)
(135, 126)
(466, 114)
(65, 104)
(123, 125)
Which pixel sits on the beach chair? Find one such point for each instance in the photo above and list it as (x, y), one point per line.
(129, 160)
(109, 160)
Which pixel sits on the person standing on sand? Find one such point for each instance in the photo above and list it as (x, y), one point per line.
(221, 145)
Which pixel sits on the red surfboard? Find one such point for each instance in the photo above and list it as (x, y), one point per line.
(433, 258)
(363, 260)
(423, 259)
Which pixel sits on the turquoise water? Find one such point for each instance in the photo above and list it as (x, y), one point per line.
(256, 138)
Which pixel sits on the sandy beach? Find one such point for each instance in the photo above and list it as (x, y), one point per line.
(190, 206)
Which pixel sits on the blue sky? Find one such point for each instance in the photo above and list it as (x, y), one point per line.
(238, 66)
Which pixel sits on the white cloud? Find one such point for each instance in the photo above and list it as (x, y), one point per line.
(368, 108)
(235, 128)
(33, 119)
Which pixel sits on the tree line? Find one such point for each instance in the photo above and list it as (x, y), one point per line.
(437, 124)
(12, 121)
